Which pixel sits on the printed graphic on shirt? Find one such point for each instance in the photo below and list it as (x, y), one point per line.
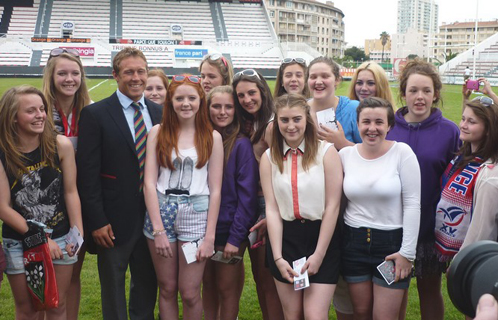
(181, 177)
(37, 195)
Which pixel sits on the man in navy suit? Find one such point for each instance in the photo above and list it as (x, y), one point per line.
(110, 189)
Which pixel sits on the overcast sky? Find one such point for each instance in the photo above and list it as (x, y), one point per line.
(366, 19)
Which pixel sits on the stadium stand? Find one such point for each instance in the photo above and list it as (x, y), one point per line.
(195, 20)
(177, 39)
(486, 61)
(90, 17)
(23, 21)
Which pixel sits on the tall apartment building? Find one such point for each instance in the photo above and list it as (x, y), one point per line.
(320, 25)
(421, 15)
(458, 37)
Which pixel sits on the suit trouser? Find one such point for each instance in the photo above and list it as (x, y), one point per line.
(112, 265)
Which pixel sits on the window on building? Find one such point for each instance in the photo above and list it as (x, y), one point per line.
(288, 4)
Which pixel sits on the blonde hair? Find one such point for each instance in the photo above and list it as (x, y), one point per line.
(9, 138)
(81, 97)
(380, 78)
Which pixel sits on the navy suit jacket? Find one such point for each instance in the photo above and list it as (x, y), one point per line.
(108, 171)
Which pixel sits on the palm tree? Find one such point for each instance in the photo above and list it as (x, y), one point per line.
(384, 37)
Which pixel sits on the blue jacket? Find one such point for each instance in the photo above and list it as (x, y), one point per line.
(345, 113)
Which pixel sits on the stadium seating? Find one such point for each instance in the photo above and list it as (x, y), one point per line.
(247, 39)
(23, 21)
(91, 18)
(195, 19)
(486, 64)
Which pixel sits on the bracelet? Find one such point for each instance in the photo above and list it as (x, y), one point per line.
(158, 232)
(277, 259)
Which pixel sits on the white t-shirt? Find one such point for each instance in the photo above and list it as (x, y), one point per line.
(186, 177)
(384, 193)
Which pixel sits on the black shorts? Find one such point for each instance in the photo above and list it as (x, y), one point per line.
(300, 238)
(363, 249)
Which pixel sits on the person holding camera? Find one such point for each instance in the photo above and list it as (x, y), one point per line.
(487, 308)
(468, 209)
(486, 89)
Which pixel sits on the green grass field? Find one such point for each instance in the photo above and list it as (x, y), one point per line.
(249, 308)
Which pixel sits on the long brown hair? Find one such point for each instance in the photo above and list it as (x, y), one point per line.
(81, 97)
(488, 148)
(231, 132)
(279, 83)
(265, 112)
(167, 139)
(294, 100)
(9, 138)
(223, 65)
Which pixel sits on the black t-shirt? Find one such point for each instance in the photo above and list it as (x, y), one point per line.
(38, 195)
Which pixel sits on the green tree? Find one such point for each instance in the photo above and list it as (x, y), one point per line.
(450, 56)
(356, 53)
(384, 38)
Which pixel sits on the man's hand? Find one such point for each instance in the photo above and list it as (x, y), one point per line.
(104, 236)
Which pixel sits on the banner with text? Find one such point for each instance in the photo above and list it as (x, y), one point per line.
(190, 53)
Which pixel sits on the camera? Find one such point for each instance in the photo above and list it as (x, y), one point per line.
(473, 272)
(472, 84)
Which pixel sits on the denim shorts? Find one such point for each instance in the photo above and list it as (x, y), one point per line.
(261, 207)
(363, 249)
(184, 217)
(15, 260)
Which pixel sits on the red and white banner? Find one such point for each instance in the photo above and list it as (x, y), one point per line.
(398, 65)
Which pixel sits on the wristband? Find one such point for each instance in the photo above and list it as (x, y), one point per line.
(277, 259)
(158, 232)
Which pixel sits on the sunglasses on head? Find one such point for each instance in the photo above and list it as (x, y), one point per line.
(486, 101)
(246, 72)
(181, 78)
(58, 51)
(298, 60)
(216, 56)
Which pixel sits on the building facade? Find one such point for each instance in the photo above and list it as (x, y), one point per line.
(412, 42)
(458, 37)
(421, 15)
(373, 49)
(319, 25)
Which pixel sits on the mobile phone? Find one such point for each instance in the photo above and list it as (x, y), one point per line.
(388, 271)
(472, 84)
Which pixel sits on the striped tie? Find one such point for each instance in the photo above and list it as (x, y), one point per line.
(140, 139)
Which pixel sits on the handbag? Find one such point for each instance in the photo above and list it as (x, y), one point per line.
(39, 269)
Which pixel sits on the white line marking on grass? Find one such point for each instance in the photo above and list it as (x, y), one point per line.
(98, 84)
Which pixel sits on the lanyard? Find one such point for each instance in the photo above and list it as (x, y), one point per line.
(69, 131)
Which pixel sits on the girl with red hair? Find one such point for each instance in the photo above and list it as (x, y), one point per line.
(182, 187)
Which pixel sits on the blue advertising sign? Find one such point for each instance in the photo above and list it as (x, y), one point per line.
(190, 53)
